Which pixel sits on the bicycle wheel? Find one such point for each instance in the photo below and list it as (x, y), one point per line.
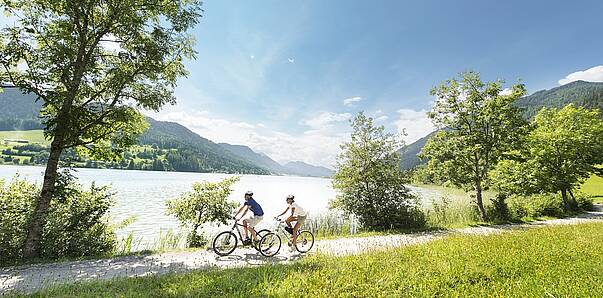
(225, 243)
(304, 241)
(270, 244)
(261, 234)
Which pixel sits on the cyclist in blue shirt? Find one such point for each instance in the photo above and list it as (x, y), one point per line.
(257, 216)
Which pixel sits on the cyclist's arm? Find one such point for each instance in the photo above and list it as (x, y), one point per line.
(283, 212)
(241, 209)
(292, 211)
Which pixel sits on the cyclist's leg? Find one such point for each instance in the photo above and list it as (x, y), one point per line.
(298, 223)
(246, 228)
(289, 220)
(253, 222)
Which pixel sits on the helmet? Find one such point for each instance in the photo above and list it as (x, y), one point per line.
(292, 197)
(249, 192)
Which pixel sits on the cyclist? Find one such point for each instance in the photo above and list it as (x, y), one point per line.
(251, 222)
(298, 214)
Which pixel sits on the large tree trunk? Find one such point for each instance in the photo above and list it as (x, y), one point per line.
(31, 247)
(566, 203)
(479, 201)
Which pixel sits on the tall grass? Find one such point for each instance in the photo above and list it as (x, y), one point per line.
(445, 213)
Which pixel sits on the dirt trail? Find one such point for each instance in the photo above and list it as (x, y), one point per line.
(34, 277)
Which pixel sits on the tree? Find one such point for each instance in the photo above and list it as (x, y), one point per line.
(370, 182)
(207, 202)
(94, 64)
(563, 149)
(477, 126)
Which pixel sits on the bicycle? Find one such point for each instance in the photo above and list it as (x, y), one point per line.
(226, 242)
(270, 243)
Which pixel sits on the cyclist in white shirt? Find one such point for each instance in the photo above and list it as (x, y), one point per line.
(298, 214)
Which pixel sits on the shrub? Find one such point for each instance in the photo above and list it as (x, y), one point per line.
(584, 202)
(498, 209)
(369, 181)
(16, 203)
(536, 205)
(206, 203)
(77, 223)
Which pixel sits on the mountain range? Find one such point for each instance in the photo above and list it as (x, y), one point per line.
(187, 151)
(580, 93)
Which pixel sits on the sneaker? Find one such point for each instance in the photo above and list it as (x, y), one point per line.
(290, 230)
(247, 242)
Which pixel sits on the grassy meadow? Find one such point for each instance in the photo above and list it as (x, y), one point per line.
(33, 136)
(594, 187)
(530, 263)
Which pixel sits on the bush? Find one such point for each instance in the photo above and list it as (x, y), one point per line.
(584, 202)
(536, 205)
(207, 202)
(77, 223)
(498, 209)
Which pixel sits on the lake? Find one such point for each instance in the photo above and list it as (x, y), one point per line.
(143, 193)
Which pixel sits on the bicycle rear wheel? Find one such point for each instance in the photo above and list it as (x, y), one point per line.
(225, 243)
(304, 241)
(270, 244)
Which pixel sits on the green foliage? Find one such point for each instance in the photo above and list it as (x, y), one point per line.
(536, 205)
(16, 203)
(369, 180)
(560, 153)
(533, 263)
(448, 213)
(206, 203)
(78, 224)
(477, 126)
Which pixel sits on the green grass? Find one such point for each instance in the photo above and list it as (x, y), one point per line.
(594, 187)
(34, 136)
(542, 262)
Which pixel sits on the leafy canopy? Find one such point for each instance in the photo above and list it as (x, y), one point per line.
(95, 63)
(206, 203)
(563, 149)
(369, 181)
(478, 123)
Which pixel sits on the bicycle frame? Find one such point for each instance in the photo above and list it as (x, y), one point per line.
(236, 226)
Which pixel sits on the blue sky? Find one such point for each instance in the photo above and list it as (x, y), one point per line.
(284, 77)
(274, 75)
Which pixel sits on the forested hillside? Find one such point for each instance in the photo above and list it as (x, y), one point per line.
(194, 153)
(18, 111)
(580, 93)
(165, 146)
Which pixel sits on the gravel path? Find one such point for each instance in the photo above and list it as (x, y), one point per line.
(30, 278)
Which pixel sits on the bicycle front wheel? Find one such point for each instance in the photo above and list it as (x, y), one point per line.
(304, 241)
(270, 244)
(225, 243)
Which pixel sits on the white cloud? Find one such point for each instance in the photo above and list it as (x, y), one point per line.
(594, 74)
(415, 123)
(506, 91)
(325, 120)
(351, 100)
(291, 60)
(318, 146)
(381, 118)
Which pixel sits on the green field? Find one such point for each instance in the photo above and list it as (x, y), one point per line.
(594, 186)
(34, 136)
(541, 262)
